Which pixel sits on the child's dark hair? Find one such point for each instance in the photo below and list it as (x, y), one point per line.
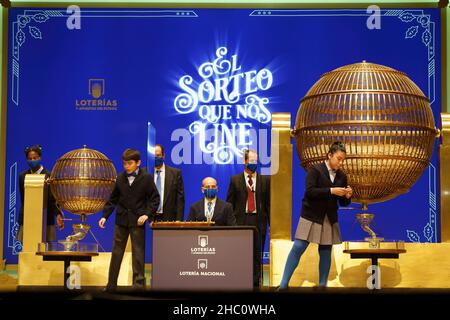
(131, 154)
(36, 148)
(337, 146)
(162, 148)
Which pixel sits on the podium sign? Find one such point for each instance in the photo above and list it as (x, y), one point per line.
(207, 258)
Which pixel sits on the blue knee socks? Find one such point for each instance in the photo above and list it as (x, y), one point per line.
(324, 264)
(293, 259)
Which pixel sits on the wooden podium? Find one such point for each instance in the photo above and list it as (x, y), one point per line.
(199, 256)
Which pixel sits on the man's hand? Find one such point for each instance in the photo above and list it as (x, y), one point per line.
(142, 219)
(60, 221)
(101, 223)
(340, 192)
(349, 192)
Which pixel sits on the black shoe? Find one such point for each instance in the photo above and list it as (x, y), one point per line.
(138, 287)
(109, 289)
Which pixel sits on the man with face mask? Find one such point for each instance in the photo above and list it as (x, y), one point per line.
(249, 194)
(33, 155)
(169, 183)
(211, 208)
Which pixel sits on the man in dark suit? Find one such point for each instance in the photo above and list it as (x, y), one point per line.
(135, 198)
(169, 183)
(249, 194)
(33, 155)
(211, 207)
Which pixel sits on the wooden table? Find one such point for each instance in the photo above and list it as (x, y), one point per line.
(374, 255)
(67, 257)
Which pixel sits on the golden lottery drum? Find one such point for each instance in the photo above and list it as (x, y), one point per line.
(383, 118)
(82, 181)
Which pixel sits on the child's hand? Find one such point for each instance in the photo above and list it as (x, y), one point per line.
(142, 219)
(101, 223)
(349, 192)
(60, 221)
(338, 191)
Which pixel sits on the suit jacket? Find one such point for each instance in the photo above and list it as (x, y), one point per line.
(237, 196)
(223, 213)
(173, 202)
(318, 200)
(52, 209)
(130, 202)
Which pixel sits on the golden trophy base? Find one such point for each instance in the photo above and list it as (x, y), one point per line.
(366, 245)
(67, 246)
(365, 219)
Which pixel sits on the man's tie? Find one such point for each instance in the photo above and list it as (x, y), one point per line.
(250, 195)
(133, 174)
(158, 186)
(209, 214)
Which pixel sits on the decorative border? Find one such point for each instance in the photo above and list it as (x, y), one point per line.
(13, 225)
(418, 18)
(430, 229)
(420, 22)
(427, 27)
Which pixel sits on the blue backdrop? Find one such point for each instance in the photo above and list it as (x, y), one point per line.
(101, 84)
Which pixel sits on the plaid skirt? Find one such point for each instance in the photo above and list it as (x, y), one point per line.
(325, 234)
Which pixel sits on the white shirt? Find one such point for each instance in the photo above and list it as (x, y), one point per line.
(253, 188)
(39, 170)
(331, 172)
(162, 175)
(213, 204)
(131, 178)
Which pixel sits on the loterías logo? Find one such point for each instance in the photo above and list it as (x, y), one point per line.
(228, 100)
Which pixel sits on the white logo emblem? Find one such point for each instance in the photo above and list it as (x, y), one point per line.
(202, 264)
(202, 241)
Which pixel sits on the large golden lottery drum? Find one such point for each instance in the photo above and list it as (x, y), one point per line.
(82, 181)
(383, 118)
